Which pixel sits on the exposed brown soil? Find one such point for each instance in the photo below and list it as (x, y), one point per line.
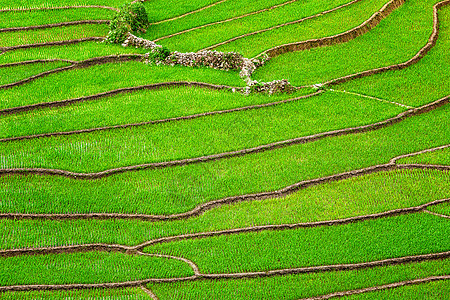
(262, 148)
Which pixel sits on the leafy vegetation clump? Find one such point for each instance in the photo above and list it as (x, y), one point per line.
(131, 17)
(158, 55)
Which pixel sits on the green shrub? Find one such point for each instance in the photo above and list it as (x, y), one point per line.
(158, 54)
(131, 17)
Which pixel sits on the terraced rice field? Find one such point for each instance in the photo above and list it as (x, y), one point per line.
(121, 179)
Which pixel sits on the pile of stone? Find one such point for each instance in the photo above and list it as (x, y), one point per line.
(212, 59)
(272, 87)
(137, 42)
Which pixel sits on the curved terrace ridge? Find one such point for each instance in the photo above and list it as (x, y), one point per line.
(181, 118)
(344, 37)
(262, 148)
(380, 287)
(436, 214)
(57, 43)
(202, 208)
(280, 25)
(74, 65)
(153, 86)
(226, 20)
(191, 264)
(36, 61)
(188, 13)
(337, 222)
(199, 235)
(271, 273)
(57, 8)
(61, 24)
(416, 58)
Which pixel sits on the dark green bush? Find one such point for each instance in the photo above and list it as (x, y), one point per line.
(131, 17)
(158, 54)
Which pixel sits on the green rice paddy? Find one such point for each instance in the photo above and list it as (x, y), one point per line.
(173, 232)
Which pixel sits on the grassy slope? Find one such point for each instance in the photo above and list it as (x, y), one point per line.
(294, 287)
(159, 10)
(440, 157)
(131, 108)
(214, 134)
(195, 184)
(44, 3)
(208, 36)
(40, 17)
(429, 79)
(375, 49)
(358, 196)
(107, 77)
(358, 242)
(427, 291)
(337, 22)
(89, 267)
(8, 39)
(13, 74)
(78, 52)
(187, 186)
(96, 294)
(220, 12)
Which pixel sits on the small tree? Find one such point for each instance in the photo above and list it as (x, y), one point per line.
(131, 17)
